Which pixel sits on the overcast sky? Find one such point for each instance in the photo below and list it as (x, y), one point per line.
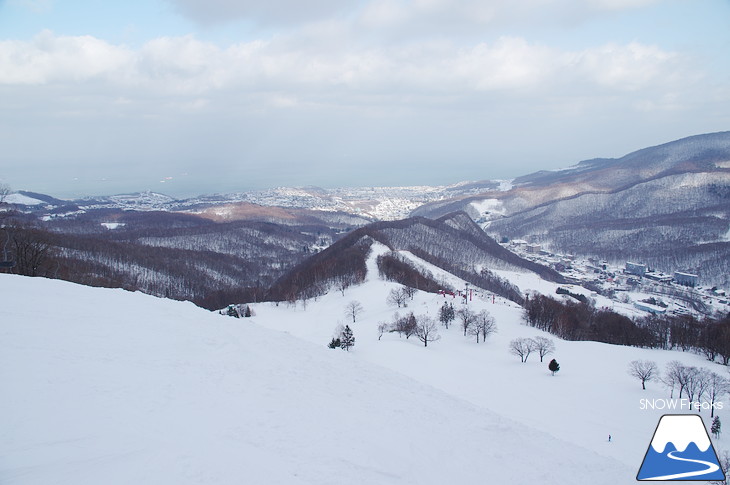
(198, 96)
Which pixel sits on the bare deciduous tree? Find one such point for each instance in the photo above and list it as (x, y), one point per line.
(404, 325)
(670, 376)
(33, 252)
(426, 330)
(697, 385)
(382, 328)
(543, 346)
(685, 374)
(717, 387)
(522, 347)
(467, 319)
(692, 383)
(397, 297)
(353, 309)
(342, 284)
(483, 324)
(644, 370)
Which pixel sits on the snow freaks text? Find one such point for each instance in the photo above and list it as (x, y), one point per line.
(664, 404)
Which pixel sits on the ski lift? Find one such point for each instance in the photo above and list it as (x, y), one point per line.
(6, 262)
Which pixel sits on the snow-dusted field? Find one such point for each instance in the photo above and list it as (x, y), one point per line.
(109, 387)
(591, 397)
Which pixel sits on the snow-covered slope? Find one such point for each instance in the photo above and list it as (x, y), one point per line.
(591, 397)
(21, 199)
(106, 386)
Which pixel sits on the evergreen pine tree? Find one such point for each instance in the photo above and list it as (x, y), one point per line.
(334, 343)
(446, 314)
(347, 339)
(554, 366)
(716, 426)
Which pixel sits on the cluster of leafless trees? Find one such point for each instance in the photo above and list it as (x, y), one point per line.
(29, 251)
(578, 321)
(476, 324)
(399, 296)
(522, 347)
(582, 321)
(393, 267)
(423, 327)
(698, 384)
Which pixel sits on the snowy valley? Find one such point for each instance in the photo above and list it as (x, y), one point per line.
(117, 387)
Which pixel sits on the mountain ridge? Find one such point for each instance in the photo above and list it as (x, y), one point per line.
(453, 243)
(667, 206)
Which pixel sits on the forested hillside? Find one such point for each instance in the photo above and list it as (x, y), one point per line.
(179, 256)
(453, 243)
(667, 206)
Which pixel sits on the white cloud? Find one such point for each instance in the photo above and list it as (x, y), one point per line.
(187, 66)
(379, 83)
(309, 99)
(49, 58)
(628, 67)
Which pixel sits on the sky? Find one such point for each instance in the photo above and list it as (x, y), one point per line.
(187, 97)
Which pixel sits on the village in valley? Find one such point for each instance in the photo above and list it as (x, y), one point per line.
(633, 288)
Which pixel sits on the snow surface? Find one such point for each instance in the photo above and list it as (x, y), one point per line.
(117, 388)
(22, 200)
(591, 397)
(506, 185)
(107, 386)
(113, 225)
(490, 206)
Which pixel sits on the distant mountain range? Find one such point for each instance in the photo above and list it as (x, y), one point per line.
(366, 203)
(667, 206)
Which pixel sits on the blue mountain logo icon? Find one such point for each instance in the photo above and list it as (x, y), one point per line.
(680, 450)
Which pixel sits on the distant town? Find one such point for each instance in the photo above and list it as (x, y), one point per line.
(646, 289)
